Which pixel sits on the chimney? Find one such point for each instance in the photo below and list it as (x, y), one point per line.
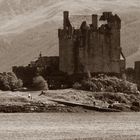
(65, 19)
(95, 21)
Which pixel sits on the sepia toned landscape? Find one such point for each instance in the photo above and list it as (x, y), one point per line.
(69, 69)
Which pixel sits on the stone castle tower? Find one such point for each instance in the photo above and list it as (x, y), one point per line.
(91, 48)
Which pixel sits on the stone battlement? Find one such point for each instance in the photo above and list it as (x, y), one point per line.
(107, 20)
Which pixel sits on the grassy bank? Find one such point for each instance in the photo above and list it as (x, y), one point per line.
(121, 101)
(13, 102)
(19, 101)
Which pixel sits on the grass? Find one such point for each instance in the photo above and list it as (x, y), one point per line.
(72, 95)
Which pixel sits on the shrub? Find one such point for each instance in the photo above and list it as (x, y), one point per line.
(110, 89)
(19, 83)
(77, 85)
(9, 81)
(110, 96)
(136, 103)
(39, 83)
(89, 85)
(109, 84)
(135, 106)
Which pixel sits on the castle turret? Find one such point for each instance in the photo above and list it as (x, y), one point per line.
(66, 22)
(65, 19)
(115, 22)
(106, 15)
(94, 22)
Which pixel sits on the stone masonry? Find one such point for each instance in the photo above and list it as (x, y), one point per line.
(91, 48)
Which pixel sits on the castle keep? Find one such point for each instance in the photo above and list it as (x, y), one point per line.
(91, 48)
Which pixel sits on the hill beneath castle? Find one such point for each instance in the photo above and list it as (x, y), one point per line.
(28, 27)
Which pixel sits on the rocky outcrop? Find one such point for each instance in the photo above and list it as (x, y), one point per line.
(39, 107)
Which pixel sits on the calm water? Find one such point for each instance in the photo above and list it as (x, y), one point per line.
(69, 126)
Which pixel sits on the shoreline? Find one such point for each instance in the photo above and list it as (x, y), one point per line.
(41, 109)
(65, 101)
(58, 108)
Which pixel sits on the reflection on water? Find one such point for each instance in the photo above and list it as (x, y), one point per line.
(65, 126)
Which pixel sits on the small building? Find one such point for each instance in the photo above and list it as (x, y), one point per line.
(50, 64)
(91, 48)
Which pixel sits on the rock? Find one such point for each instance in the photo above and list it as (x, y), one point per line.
(122, 107)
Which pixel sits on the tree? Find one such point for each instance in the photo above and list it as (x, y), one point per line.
(9, 81)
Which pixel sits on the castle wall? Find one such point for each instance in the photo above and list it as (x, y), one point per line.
(95, 54)
(66, 54)
(94, 22)
(115, 51)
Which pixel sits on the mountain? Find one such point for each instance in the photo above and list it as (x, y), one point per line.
(28, 27)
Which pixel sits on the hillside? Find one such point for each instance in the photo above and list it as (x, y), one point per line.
(30, 26)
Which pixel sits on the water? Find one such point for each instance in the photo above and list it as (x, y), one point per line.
(47, 126)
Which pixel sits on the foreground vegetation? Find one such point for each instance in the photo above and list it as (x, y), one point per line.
(21, 102)
(103, 83)
(9, 81)
(102, 91)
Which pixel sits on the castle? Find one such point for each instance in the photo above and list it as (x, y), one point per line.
(91, 48)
